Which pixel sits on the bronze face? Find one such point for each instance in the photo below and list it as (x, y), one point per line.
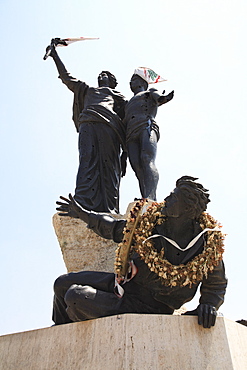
(137, 84)
(175, 204)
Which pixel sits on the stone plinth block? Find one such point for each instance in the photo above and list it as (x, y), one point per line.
(130, 342)
(81, 248)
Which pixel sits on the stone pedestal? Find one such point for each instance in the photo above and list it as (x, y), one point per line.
(81, 248)
(128, 342)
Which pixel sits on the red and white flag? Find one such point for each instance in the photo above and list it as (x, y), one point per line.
(148, 75)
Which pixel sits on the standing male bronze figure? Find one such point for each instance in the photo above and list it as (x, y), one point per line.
(97, 114)
(142, 133)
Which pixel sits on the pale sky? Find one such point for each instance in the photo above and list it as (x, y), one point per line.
(199, 46)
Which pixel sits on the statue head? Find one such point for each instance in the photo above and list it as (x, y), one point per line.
(106, 78)
(138, 84)
(189, 197)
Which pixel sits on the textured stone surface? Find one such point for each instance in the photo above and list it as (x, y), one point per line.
(81, 248)
(130, 342)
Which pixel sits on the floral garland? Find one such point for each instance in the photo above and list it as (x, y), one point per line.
(125, 247)
(169, 274)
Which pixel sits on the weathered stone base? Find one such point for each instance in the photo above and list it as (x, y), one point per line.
(130, 342)
(81, 248)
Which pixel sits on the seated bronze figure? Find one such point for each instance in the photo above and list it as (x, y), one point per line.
(173, 247)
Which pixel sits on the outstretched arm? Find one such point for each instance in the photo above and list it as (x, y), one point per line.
(165, 98)
(102, 224)
(161, 98)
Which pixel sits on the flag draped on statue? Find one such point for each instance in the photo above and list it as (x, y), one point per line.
(65, 42)
(148, 75)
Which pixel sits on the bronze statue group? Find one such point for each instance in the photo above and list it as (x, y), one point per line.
(173, 246)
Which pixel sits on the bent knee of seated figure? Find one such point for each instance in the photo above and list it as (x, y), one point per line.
(80, 302)
(79, 292)
(60, 284)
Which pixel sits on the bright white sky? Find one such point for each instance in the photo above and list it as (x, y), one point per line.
(198, 45)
